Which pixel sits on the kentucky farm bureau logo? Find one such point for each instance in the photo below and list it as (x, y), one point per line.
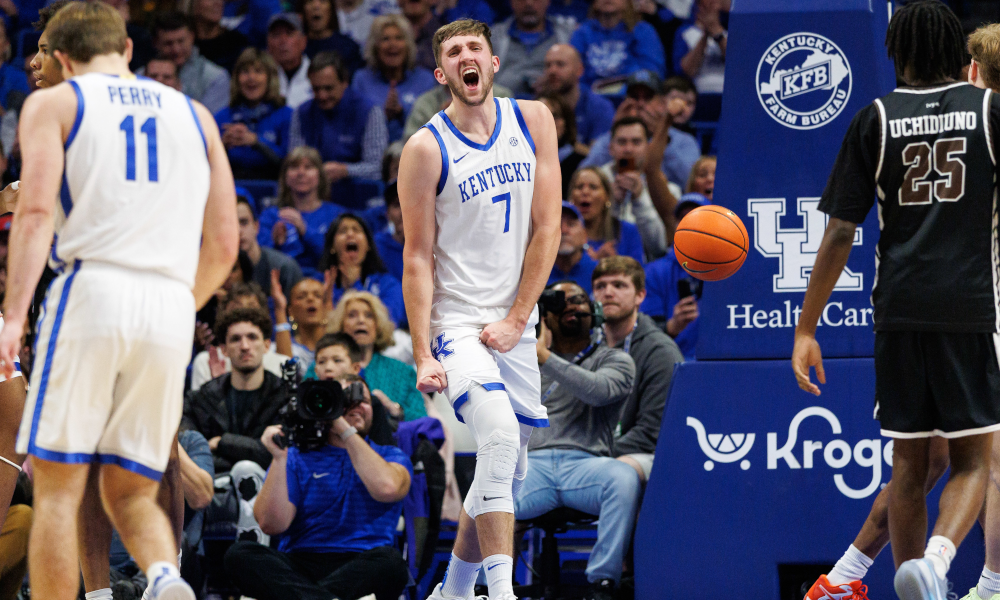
(803, 80)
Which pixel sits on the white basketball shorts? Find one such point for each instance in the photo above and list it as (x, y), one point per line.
(17, 363)
(108, 376)
(468, 362)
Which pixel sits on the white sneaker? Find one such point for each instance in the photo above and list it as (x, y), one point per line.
(916, 580)
(170, 587)
(437, 595)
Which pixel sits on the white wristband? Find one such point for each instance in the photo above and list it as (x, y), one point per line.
(282, 327)
(348, 433)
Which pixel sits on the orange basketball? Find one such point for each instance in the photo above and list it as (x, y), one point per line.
(711, 243)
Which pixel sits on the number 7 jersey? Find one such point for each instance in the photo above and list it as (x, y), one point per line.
(136, 178)
(483, 216)
(929, 155)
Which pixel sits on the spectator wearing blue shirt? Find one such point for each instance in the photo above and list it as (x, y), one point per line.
(351, 261)
(679, 317)
(700, 53)
(348, 129)
(573, 262)
(594, 113)
(322, 28)
(297, 225)
(12, 78)
(645, 99)
(251, 18)
(255, 124)
(614, 42)
(389, 241)
(522, 41)
(591, 192)
(392, 80)
(336, 509)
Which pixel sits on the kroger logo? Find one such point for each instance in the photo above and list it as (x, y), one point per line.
(796, 247)
(803, 80)
(836, 453)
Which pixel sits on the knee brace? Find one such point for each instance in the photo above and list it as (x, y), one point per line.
(495, 428)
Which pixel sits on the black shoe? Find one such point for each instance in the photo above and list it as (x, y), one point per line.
(601, 590)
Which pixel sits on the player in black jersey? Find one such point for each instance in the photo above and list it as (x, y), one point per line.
(928, 152)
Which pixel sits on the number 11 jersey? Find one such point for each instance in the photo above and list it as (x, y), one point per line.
(928, 155)
(483, 216)
(135, 181)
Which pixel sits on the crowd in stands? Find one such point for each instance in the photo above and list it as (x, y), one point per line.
(315, 100)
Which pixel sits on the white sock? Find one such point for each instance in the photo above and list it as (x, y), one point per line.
(102, 594)
(940, 551)
(852, 566)
(499, 574)
(460, 578)
(989, 584)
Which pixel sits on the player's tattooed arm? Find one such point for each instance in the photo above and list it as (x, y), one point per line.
(419, 172)
(546, 211)
(830, 262)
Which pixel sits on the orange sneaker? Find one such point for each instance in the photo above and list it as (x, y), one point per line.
(824, 590)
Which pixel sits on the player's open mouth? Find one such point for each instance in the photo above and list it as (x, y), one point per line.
(351, 247)
(470, 77)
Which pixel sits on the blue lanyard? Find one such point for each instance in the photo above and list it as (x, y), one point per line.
(628, 338)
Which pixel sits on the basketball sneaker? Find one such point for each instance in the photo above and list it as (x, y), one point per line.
(824, 590)
(974, 595)
(437, 595)
(916, 580)
(167, 586)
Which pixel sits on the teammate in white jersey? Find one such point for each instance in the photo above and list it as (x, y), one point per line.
(480, 191)
(146, 183)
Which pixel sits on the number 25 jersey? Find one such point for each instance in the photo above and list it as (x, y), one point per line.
(929, 155)
(136, 178)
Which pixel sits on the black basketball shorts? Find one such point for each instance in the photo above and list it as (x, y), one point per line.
(936, 383)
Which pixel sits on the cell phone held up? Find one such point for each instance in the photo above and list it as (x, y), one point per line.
(626, 165)
(689, 287)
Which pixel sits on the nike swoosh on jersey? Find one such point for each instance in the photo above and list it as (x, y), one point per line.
(318, 475)
(485, 499)
(455, 160)
(493, 566)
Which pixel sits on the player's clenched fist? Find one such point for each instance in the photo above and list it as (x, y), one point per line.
(501, 336)
(431, 376)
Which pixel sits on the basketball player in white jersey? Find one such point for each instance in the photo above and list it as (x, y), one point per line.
(146, 183)
(479, 187)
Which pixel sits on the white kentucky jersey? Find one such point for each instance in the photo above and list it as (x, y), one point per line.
(136, 178)
(483, 210)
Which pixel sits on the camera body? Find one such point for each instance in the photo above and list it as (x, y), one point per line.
(554, 301)
(311, 408)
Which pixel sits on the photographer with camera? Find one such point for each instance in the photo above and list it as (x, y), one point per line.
(584, 383)
(335, 505)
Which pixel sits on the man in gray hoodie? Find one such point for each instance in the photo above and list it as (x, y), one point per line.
(584, 383)
(620, 286)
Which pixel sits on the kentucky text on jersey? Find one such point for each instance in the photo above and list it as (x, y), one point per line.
(132, 96)
(504, 173)
(931, 124)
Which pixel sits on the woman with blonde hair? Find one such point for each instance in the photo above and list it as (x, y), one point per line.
(392, 80)
(297, 226)
(362, 316)
(591, 192)
(702, 178)
(255, 124)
